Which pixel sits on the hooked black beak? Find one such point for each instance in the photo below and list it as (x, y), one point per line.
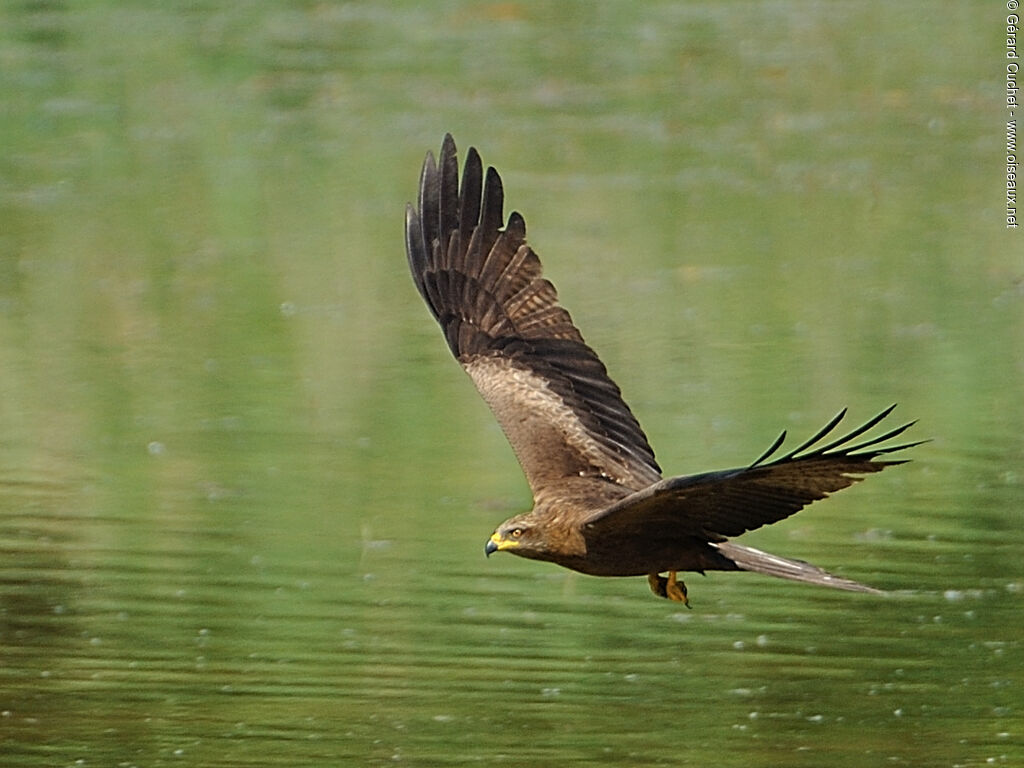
(490, 547)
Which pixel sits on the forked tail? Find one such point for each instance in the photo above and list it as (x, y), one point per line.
(750, 559)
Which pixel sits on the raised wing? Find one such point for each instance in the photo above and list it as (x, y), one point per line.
(551, 394)
(717, 505)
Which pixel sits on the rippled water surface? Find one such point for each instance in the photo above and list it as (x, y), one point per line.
(244, 491)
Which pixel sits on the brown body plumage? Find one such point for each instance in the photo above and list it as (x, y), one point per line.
(600, 504)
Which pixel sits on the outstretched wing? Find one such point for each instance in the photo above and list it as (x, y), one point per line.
(551, 394)
(717, 505)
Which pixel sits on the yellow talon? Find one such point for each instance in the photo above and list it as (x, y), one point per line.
(676, 590)
(670, 588)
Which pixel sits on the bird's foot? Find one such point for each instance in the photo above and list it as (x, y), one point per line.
(670, 588)
(676, 590)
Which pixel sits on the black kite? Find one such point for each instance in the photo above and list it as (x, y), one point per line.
(600, 505)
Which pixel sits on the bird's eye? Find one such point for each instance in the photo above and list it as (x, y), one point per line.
(516, 533)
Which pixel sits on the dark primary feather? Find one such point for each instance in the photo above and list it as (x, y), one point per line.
(562, 414)
(717, 505)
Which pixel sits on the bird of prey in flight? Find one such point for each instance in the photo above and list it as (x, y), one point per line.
(600, 504)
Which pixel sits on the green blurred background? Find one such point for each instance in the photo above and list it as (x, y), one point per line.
(244, 490)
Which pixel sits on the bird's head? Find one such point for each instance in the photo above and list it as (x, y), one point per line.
(519, 535)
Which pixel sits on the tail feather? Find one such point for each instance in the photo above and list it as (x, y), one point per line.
(750, 559)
